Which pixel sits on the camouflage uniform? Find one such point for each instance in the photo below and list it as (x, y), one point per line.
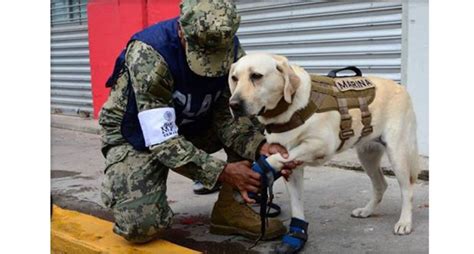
(134, 186)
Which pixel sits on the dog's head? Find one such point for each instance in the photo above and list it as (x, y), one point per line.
(258, 82)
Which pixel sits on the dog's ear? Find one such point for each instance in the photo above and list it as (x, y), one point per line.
(292, 81)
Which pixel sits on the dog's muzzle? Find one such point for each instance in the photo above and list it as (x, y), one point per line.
(236, 108)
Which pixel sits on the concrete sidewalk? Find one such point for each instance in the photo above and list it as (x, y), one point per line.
(330, 195)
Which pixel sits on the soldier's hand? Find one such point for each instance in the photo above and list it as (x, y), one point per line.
(241, 176)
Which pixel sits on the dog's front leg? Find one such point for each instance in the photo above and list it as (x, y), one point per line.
(297, 236)
(295, 191)
(309, 151)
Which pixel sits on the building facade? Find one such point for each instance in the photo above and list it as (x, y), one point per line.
(384, 38)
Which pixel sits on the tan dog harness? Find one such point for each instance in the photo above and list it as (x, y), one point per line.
(331, 93)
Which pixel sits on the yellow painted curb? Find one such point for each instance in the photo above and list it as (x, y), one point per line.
(78, 233)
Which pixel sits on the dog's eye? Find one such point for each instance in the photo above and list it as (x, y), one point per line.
(255, 76)
(234, 78)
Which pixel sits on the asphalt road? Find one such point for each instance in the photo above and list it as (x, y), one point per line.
(330, 195)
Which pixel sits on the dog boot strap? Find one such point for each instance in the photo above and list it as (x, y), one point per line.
(266, 168)
(262, 167)
(299, 224)
(296, 238)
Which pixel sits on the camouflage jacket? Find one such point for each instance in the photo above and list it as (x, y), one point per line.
(148, 71)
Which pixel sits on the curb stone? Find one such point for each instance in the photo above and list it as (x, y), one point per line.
(77, 233)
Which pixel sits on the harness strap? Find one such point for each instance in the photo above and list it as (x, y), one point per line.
(346, 131)
(281, 107)
(296, 120)
(366, 117)
(317, 98)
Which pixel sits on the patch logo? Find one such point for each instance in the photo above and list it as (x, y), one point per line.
(168, 116)
(345, 84)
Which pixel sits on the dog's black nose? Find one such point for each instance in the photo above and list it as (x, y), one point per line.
(234, 104)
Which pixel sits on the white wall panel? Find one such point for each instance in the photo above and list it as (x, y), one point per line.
(321, 36)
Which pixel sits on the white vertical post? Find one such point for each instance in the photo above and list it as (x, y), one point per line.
(415, 64)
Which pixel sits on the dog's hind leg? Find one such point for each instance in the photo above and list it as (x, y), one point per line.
(403, 154)
(370, 155)
(399, 159)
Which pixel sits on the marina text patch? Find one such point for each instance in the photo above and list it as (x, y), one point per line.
(345, 84)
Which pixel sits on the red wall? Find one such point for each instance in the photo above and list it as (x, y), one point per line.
(111, 24)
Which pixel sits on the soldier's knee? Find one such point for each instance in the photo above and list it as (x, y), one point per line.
(138, 230)
(135, 233)
(143, 224)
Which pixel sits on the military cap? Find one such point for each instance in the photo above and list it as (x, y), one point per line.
(209, 27)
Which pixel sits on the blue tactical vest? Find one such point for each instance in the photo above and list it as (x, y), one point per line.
(193, 95)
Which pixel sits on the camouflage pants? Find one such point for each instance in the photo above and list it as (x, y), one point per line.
(134, 187)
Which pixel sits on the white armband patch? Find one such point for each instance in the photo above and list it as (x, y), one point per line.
(158, 125)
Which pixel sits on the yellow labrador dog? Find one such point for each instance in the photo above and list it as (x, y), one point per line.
(258, 82)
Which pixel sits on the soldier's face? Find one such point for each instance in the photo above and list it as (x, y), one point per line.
(256, 84)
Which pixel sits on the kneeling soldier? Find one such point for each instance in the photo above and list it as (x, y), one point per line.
(168, 109)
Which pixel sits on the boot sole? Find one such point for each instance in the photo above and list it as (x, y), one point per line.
(228, 230)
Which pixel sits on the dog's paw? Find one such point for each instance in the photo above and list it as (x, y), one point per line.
(402, 228)
(361, 213)
(276, 161)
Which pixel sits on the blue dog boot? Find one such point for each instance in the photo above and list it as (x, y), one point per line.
(295, 239)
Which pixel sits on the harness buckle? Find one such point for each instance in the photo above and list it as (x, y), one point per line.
(367, 130)
(346, 134)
